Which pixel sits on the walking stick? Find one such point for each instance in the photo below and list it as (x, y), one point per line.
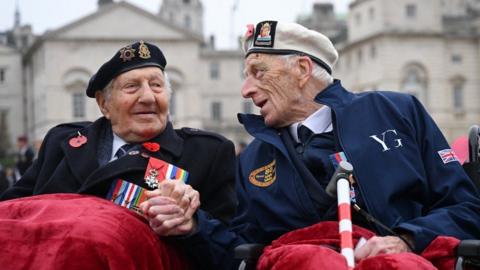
(340, 181)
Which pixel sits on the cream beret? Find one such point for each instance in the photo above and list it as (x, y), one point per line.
(274, 37)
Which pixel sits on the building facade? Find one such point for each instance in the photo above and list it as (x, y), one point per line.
(428, 48)
(58, 65)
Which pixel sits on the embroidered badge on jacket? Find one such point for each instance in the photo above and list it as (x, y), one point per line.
(447, 156)
(263, 176)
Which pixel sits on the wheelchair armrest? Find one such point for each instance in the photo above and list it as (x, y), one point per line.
(469, 248)
(468, 254)
(249, 252)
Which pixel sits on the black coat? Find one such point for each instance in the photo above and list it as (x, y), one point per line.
(61, 168)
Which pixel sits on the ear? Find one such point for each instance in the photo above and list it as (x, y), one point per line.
(305, 68)
(102, 103)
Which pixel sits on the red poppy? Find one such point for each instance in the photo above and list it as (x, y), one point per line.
(250, 29)
(151, 146)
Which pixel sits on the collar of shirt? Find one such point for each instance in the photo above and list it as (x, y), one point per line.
(319, 122)
(117, 143)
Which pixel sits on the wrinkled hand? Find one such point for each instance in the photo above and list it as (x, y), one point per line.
(170, 208)
(381, 245)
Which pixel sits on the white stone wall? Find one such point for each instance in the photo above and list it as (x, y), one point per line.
(370, 17)
(11, 91)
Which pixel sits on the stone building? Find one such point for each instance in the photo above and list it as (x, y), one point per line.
(56, 68)
(429, 48)
(13, 43)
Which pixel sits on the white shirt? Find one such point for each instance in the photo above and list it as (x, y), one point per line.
(117, 143)
(318, 122)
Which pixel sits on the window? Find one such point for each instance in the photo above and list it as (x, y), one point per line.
(172, 104)
(458, 93)
(2, 75)
(371, 13)
(78, 105)
(247, 107)
(214, 70)
(187, 22)
(414, 81)
(359, 56)
(411, 11)
(373, 51)
(358, 18)
(458, 97)
(216, 110)
(456, 58)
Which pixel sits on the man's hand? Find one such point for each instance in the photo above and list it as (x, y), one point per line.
(170, 208)
(381, 245)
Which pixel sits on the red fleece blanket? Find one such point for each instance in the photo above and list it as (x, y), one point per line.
(71, 231)
(314, 248)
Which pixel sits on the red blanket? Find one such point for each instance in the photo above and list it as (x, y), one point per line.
(70, 231)
(313, 248)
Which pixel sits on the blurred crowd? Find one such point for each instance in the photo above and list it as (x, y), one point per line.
(24, 156)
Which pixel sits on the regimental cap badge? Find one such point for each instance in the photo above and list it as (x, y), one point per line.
(265, 34)
(127, 53)
(143, 50)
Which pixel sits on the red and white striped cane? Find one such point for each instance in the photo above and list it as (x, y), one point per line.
(340, 178)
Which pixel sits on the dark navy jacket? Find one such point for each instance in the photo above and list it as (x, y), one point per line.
(393, 145)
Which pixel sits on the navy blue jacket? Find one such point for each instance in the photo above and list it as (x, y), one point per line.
(394, 147)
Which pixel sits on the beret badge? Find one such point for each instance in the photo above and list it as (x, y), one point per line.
(143, 50)
(127, 53)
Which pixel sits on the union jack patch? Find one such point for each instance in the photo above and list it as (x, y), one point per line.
(447, 156)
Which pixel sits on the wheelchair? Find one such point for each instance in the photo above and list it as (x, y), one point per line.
(468, 251)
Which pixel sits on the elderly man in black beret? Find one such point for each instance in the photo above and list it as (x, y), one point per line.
(134, 147)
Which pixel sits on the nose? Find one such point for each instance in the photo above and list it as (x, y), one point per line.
(146, 94)
(248, 87)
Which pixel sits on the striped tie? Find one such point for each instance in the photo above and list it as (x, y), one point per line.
(122, 151)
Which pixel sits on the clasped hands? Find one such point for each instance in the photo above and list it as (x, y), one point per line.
(170, 208)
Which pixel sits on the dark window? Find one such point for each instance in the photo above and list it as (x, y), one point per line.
(247, 107)
(456, 58)
(359, 56)
(188, 22)
(358, 18)
(216, 110)
(78, 100)
(214, 70)
(373, 51)
(411, 11)
(2, 75)
(458, 97)
(371, 13)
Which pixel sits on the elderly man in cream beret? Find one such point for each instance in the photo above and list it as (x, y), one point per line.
(407, 186)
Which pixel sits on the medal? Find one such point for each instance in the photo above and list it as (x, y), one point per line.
(159, 170)
(151, 179)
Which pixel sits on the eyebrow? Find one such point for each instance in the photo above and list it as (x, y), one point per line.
(255, 63)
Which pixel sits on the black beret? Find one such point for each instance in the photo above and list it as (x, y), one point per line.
(137, 55)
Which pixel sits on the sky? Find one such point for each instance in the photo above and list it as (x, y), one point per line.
(219, 19)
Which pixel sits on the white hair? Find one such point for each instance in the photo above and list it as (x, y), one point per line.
(107, 89)
(318, 72)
